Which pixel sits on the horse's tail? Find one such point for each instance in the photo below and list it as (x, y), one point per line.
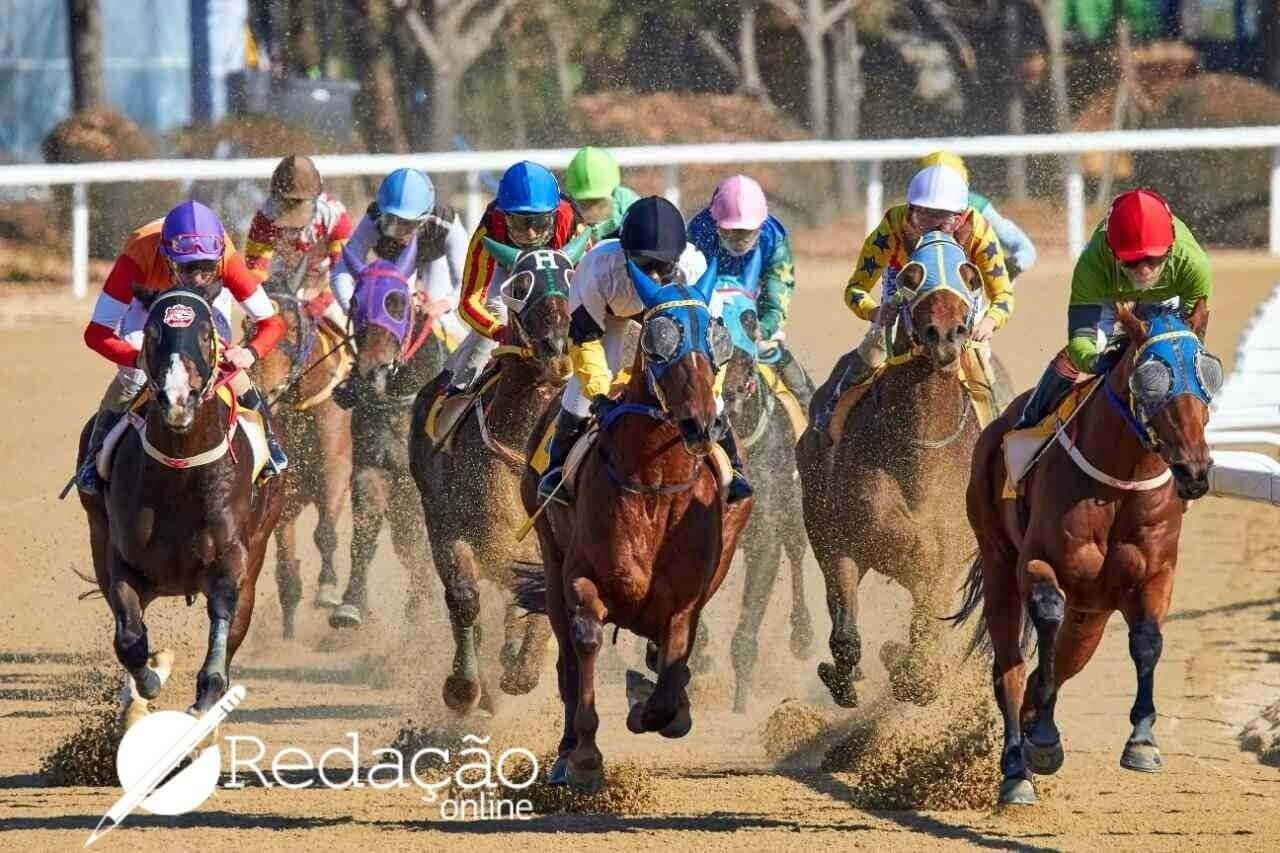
(973, 598)
(530, 587)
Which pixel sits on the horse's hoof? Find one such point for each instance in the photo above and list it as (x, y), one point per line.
(149, 683)
(892, 652)
(517, 682)
(1143, 757)
(635, 719)
(842, 692)
(801, 642)
(680, 725)
(1043, 760)
(327, 596)
(589, 781)
(639, 688)
(345, 616)
(559, 773)
(1017, 792)
(461, 695)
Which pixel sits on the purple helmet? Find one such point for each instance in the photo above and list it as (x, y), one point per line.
(192, 232)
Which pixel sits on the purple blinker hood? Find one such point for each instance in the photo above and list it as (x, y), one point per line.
(374, 284)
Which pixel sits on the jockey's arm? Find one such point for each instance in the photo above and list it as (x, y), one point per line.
(876, 252)
(586, 343)
(259, 246)
(341, 279)
(776, 286)
(984, 251)
(100, 335)
(477, 272)
(248, 291)
(338, 236)
(1017, 246)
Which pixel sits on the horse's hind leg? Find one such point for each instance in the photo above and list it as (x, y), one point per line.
(1046, 606)
(1003, 612)
(794, 543)
(1145, 645)
(288, 571)
(368, 506)
(333, 434)
(456, 565)
(586, 614)
(842, 578)
(763, 552)
(409, 538)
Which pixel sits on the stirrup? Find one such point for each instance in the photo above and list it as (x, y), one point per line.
(739, 489)
(87, 479)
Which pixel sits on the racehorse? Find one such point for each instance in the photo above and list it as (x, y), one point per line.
(470, 479)
(298, 378)
(1095, 529)
(648, 538)
(752, 405)
(397, 353)
(181, 514)
(889, 494)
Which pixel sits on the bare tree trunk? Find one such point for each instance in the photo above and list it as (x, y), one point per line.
(377, 109)
(815, 47)
(1016, 166)
(84, 18)
(751, 83)
(446, 94)
(849, 89)
(519, 127)
(1269, 20)
(1121, 109)
(1051, 17)
(561, 38)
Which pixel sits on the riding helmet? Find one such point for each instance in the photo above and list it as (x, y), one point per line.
(1139, 226)
(653, 228)
(192, 219)
(406, 193)
(527, 187)
(592, 174)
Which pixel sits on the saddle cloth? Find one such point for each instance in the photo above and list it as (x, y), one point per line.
(975, 375)
(246, 419)
(447, 411)
(1024, 447)
(795, 412)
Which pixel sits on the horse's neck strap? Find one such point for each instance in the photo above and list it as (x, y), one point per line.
(213, 454)
(623, 409)
(1103, 477)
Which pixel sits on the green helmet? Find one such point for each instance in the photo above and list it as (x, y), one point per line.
(592, 174)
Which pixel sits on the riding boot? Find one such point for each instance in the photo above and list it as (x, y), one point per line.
(739, 487)
(1051, 388)
(793, 375)
(852, 370)
(569, 428)
(278, 460)
(87, 479)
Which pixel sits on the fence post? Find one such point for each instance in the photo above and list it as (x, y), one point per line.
(475, 204)
(1275, 201)
(1075, 206)
(875, 195)
(672, 193)
(79, 241)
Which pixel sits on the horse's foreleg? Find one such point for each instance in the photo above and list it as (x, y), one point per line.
(842, 577)
(460, 575)
(763, 554)
(667, 710)
(224, 594)
(1046, 606)
(794, 543)
(288, 572)
(1145, 645)
(333, 434)
(368, 507)
(132, 648)
(524, 650)
(409, 538)
(586, 615)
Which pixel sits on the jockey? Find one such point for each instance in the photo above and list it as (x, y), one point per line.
(189, 247)
(753, 251)
(604, 304)
(937, 200)
(1019, 251)
(594, 181)
(1140, 253)
(530, 212)
(423, 237)
(299, 216)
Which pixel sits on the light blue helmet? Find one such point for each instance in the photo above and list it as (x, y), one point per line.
(406, 193)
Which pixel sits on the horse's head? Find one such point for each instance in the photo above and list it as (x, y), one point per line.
(1171, 379)
(276, 369)
(536, 294)
(381, 320)
(940, 285)
(681, 348)
(738, 310)
(179, 353)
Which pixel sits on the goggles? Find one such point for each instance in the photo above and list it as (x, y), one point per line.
(397, 227)
(930, 218)
(528, 229)
(738, 241)
(195, 244)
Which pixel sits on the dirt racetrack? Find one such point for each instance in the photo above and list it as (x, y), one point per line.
(714, 790)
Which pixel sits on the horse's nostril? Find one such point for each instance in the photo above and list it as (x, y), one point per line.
(932, 335)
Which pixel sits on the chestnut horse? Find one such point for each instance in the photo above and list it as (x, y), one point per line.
(889, 495)
(648, 538)
(397, 353)
(1095, 530)
(298, 378)
(181, 514)
(777, 523)
(470, 484)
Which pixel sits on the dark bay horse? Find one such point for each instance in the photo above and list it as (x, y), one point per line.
(397, 353)
(298, 378)
(470, 482)
(181, 514)
(889, 495)
(648, 537)
(751, 403)
(1094, 531)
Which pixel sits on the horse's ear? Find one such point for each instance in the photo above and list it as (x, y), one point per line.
(1133, 327)
(646, 288)
(971, 277)
(706, 284)
(910, 278)
(505, 255)
(1199, 319)
(577, 247)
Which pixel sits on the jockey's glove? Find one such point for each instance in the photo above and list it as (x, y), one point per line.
(601, 405)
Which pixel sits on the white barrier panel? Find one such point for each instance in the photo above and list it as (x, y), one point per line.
(1250, 476)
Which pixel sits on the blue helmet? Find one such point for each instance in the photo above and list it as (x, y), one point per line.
(406, 193)
(528, 188)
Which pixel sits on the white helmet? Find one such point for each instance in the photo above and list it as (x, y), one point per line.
(939, 188)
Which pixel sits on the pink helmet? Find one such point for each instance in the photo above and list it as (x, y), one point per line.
(739, 203)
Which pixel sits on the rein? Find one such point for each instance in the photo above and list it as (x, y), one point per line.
(657, 414)
(428, 322)
(511, 457)
(767, 404)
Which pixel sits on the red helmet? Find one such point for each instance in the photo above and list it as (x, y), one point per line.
(1139, 226)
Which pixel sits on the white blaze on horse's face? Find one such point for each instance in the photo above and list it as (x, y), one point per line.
(176, 396)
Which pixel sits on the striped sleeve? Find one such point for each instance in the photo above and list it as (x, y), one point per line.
(338, 235)
(259, 246)
(100, 335)
(476, 273)
(268, 327)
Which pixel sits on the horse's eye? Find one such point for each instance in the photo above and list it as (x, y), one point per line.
(395, 303)
(1209, 372)
(660, 338)
(1151, 381)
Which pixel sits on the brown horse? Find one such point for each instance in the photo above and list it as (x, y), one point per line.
(1095, 530)
(777, 523)
(470, 482)
(648, 538)
(181, 514)
(298, 378)
(889, 494)
(397, 353)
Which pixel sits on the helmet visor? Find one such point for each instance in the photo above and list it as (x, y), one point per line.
(527, 230)
(397, 227)
(195, 244)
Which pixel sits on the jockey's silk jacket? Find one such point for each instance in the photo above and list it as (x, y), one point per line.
(885, 253)
(142, 263)
(777, 278)
(267, 256)
(1098, 283)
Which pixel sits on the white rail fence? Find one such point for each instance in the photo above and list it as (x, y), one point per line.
(672, 157)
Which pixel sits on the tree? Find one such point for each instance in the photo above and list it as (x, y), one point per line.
(814, 19)
(459, 34)
(849, 90)
(84, 20)
(1017, 123)
(1269, 21)
(745, 67)
(377, 109)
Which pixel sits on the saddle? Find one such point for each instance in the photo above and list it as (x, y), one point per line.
(330, 339)
(135, 419)
(795, 412)
(448, 410)
(975, 375)
(1023, 448)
